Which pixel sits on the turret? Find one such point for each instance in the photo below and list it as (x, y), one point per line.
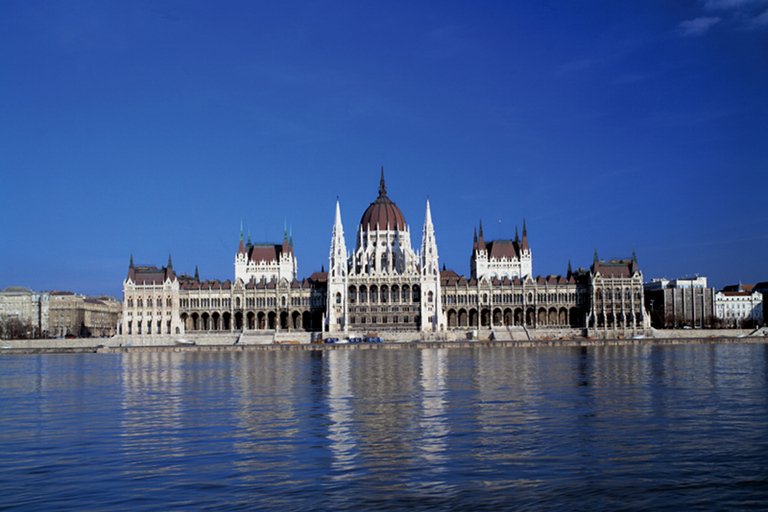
(431, 303)
(337, 277)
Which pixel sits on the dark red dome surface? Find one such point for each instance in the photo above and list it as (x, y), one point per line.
(383, 213)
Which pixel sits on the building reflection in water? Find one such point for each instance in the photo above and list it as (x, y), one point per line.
(152, 405)
(434, 427)
(339, 396)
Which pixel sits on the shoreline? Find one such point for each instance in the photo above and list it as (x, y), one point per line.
(102, 349)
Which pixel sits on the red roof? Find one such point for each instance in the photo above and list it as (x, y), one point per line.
(150, 275)
(265, 252)
(501, 249)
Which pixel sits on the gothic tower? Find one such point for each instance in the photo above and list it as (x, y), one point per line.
(431, 304)
(337, 277)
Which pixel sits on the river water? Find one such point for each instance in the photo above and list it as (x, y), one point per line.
(643, 427)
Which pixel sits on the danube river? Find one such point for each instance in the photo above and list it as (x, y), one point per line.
(638, 427)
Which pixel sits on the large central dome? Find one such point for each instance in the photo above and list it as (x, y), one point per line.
(383, 214)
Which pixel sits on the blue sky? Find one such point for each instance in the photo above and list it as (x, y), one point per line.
(148, 128)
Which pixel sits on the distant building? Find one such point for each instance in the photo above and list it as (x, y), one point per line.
(70, 314)
(684, 302)
(739, 306)
(762, 287)
(26, 306)
(60, 313)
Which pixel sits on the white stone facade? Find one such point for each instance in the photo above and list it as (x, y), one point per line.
(265, 262)
(384, 285)
(151, 302)
(739, 306)
(501, 259)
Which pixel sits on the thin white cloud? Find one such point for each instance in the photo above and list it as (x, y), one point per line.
(761, 20)
(750, 14)
(724, 5)
(698, 26)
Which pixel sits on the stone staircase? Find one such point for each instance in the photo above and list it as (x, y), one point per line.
(509, 333)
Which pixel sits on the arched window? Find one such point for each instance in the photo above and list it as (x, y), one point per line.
(338, 298)
(430, 296)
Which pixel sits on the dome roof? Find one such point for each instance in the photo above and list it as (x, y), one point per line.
(383, 213)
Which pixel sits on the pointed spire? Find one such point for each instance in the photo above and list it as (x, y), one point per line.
(285, 231)
(569, 269)
(197, 274)
(428, 217)
(382, 185)
(337, 259)
(240, 245)
(480, 240)
(337, 220)
(525, 237)
(170, 263)
(429, 259)
(474, 242)
(595, 261)
(517, 237)
(633, 266)
(130, 265)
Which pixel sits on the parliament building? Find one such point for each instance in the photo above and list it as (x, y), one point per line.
(387, 287)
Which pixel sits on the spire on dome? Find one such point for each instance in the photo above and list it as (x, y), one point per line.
(382, 185)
